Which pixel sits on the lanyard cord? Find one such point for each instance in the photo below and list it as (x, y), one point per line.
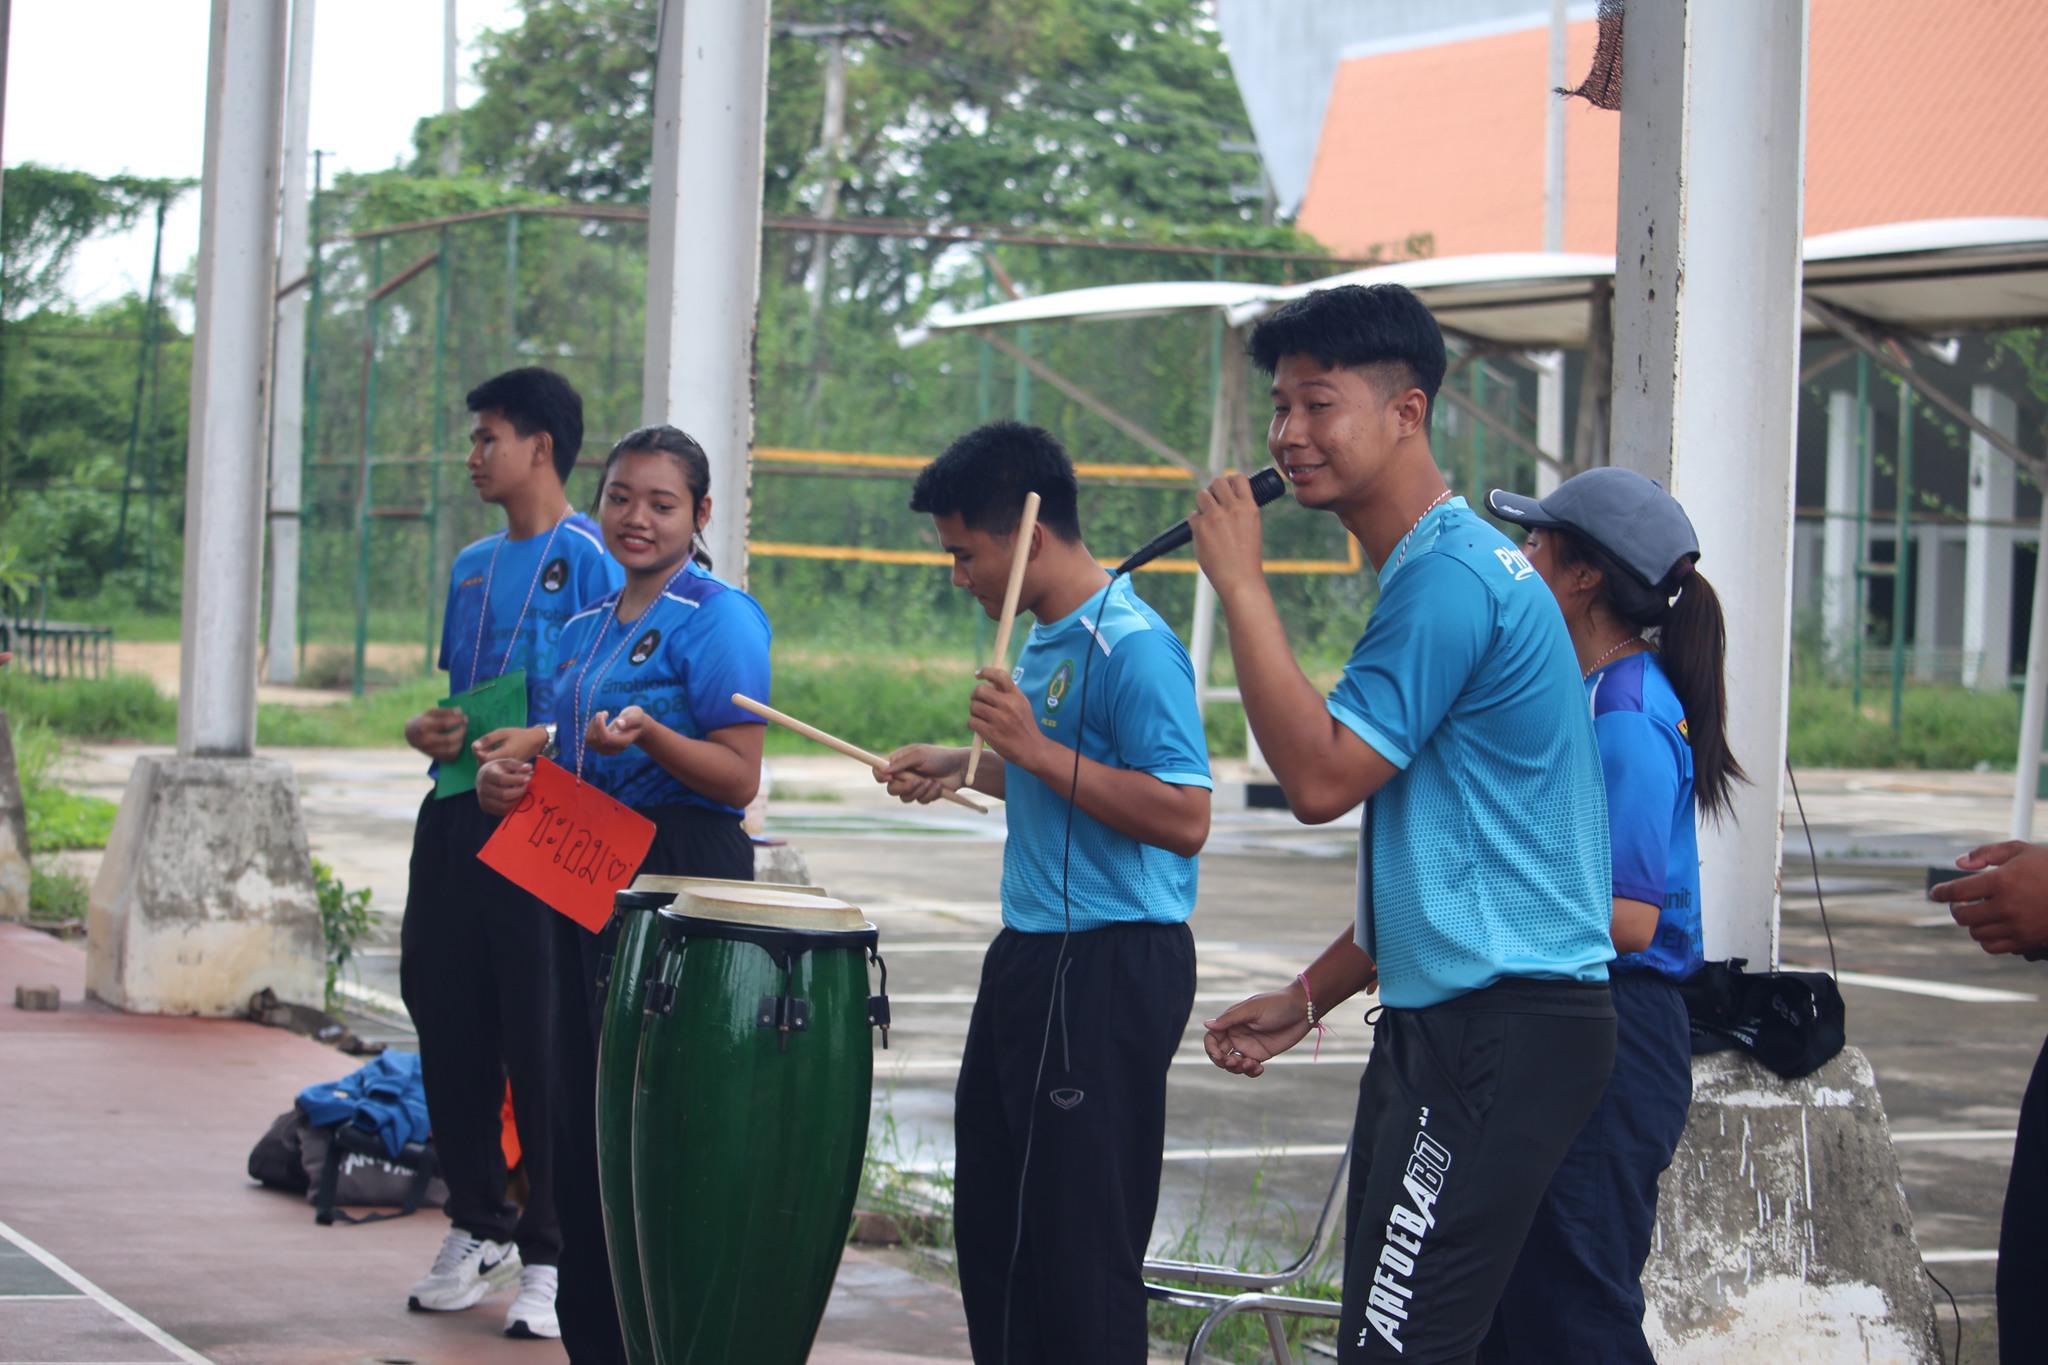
(577, 715)
(476, 658)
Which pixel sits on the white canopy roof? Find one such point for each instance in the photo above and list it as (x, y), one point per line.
(1937, 275)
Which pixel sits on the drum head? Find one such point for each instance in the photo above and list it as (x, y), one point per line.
(675, 886)
(768, 908)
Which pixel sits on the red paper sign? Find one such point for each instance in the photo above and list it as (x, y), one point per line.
(569, 844)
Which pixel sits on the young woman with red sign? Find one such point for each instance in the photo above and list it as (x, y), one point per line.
(644, 713)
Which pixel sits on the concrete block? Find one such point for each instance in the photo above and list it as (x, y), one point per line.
(205, 895)
(781, 862)
(28, 997)
(1782, 1228)
(13, 832)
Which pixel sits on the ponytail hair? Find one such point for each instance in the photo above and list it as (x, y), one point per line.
(696, 465)
(1692, 647)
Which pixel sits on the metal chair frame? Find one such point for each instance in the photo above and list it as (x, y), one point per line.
(1252, 1292)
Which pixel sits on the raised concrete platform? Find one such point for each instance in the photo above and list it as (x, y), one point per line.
(1782, 1227)
(205, 895)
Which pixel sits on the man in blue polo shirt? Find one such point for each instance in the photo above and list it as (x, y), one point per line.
(1483, 883)
(1086, 991)
(475, 964)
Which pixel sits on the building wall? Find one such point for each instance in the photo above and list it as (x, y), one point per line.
(1914, 111)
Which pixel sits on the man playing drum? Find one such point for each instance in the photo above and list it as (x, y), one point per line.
(1061, 1108)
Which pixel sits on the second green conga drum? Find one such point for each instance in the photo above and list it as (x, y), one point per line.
(618, 1053)
(750, 1115)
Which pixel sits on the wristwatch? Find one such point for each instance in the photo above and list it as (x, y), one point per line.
(550, 749)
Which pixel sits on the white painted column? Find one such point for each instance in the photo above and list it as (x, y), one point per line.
(1927, 613)
(1226, 420)
(2033, 696)
(1549, 366)
(224, 476)
(1987, 550)
(1706, 353)
(1841, 592)
(288, 407)
(704, 245)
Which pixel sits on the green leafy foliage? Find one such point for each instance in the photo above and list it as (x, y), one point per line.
(48, 213)
(124, 706)
(344, 921)
(57, 899)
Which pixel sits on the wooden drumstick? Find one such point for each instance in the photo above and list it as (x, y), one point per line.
(767, 712)
(1019, 557)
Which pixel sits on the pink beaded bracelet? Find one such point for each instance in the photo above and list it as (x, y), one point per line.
(1318, 1025)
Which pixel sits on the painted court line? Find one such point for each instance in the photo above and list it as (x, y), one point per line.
(1957, 1257)
(1941, 990)
(1958, 1135)
(156, 1334)
(927, 1066)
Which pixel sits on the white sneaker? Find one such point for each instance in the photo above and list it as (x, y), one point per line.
(467, 1269)
(532, 1314)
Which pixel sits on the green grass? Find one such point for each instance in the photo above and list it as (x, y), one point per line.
(881, 701)
(1941, 727)
(57, 819)
(56, 898)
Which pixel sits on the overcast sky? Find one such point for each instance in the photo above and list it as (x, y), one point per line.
(120, 86)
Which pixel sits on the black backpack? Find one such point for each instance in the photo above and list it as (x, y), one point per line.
(341, 1166)
(1792, 1022)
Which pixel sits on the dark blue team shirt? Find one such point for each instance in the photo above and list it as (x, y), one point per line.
(680, 662)
(565, 569)
(1650, 818)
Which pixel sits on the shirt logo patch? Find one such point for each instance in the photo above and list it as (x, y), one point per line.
(555, 576)
(470, 582)
(1514, 561)
(1684, 733)
(643, 648)
(1056, 690)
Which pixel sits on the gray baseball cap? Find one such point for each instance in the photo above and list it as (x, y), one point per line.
(1632, 519)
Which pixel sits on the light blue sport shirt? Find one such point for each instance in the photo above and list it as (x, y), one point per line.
(1485, 857)
(1139, 712)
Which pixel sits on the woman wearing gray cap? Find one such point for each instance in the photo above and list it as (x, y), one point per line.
(1618, 554)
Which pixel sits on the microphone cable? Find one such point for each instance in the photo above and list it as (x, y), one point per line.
(1059, 962)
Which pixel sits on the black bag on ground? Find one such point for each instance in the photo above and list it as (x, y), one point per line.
(339, 1166)
(1792, 1022)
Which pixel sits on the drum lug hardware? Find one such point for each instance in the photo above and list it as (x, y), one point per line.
(878, 1016)
(661, 998)
(786, 1014)
(604, 971)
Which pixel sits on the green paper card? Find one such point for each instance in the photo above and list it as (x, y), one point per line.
(490, 706)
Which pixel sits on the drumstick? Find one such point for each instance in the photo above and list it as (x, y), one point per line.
(1019, 557)
(767, 712)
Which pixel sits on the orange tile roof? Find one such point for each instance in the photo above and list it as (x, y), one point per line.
(1913, 111)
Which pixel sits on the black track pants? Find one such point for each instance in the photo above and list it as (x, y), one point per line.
(1464, 1113)
(1091, 1184)
(475, 968)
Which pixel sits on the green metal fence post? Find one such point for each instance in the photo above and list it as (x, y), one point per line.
(984, 392)
(363, 473)
(440, 441)
(512, 288)
(1902, 559)
(1478, 487)
(1861, 576)
(1022, 402)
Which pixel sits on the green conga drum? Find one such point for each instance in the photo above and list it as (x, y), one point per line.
(750, 1119)
(618, 1050)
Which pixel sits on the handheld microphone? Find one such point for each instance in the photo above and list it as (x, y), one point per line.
(1266, 486)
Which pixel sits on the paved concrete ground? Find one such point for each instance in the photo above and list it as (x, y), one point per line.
(1950, 1032)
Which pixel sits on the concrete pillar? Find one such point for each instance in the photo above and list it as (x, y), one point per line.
(288, 409)
(1987, 550)
(205, 894)
(1226, 421)
(703, 264)
(1841, 592)
(1549, 367)
(2034, 694)
(1927, 593)
(1706, 352)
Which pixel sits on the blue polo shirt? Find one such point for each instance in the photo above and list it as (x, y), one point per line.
(552, 575)
(1485, 856)
(1138, 712)
(680, 662)
(1647, 758)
